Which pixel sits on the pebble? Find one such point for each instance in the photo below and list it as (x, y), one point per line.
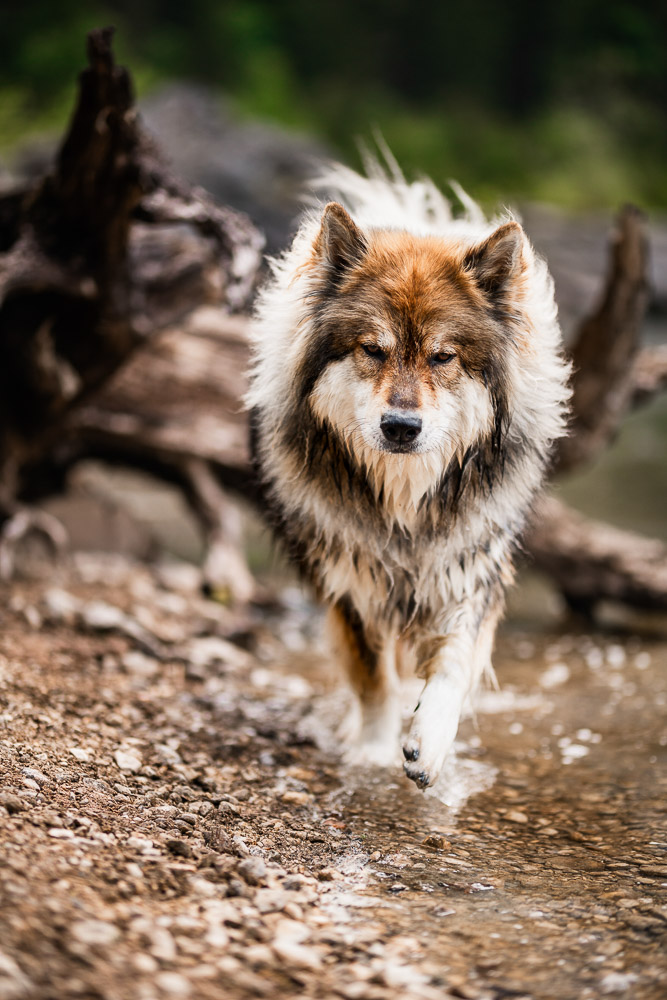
(296, 798)
(437, 842)
(514, 816)
(13, 803)
(14, 984)
(94, 932)
(139, 664)
(173, 984)
(128, 761)
(253, 870)
(32, 774)
(297, 954)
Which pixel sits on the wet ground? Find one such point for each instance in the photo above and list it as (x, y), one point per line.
(175, 820)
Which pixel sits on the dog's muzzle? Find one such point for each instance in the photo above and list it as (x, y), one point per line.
(400, 430)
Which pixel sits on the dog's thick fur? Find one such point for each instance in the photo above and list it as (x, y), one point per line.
(408, 385)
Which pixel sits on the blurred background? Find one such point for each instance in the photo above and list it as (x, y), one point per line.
(564, 102)
(559, 109)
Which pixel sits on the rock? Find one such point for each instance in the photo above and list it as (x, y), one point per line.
(514, 816)
(296, 798)
(80, 754)
(328, 875)
(34, 775)
(139, 664)
(173, 984)
(210, 649)
(94, 932)
(180, 848)
(254, 166)
(12, 802)
(128, 760)
(253, 870)
(297, 954)
(437, 842)
(14, 984)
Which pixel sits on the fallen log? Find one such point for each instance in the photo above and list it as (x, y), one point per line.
(590, 561)
(98, 257)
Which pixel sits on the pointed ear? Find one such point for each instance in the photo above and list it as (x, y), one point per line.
(498, 260)
(340, 243)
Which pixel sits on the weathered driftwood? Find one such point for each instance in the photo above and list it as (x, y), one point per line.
(606, 347)
(175, 409)
(104, 252)
(591, 561)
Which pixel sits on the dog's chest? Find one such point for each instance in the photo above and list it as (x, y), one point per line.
(402, 579)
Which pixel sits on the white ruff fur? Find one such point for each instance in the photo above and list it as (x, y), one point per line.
(450, 572)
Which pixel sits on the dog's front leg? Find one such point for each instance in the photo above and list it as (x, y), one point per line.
(368, 654)
(452, 665)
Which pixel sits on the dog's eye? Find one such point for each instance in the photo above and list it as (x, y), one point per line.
(443, 357)
(373, 351)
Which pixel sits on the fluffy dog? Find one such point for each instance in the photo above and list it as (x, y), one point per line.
(407, 388)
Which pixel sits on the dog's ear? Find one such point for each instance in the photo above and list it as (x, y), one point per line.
(498, 260)
(340, 242)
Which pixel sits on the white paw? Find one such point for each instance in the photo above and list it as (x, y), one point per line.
(433, 731)
(377, 736)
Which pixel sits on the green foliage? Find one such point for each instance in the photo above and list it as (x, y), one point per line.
(564, 101)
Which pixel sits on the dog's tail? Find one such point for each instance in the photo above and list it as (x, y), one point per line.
(383, 197)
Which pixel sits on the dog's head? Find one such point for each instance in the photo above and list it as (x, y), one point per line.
(410, 336)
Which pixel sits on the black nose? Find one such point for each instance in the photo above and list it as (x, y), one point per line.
(400, 428)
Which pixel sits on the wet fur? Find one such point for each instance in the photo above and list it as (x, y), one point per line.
(411, 551)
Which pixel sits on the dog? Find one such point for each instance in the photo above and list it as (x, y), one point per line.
(407, 388)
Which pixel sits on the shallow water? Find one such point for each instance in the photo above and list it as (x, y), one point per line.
(546, 875)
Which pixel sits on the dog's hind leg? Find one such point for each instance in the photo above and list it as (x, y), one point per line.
(368, 655)
(452, 665)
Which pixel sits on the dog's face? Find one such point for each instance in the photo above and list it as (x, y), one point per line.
(409, 353)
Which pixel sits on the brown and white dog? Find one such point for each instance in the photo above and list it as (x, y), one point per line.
(407, 388)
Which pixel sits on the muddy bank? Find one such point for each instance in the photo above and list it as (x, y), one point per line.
(175, 821)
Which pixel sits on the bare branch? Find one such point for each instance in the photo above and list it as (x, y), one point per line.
(606, 347)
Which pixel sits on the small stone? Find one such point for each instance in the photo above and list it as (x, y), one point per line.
(13, 803)
(162, 945)
(437, 842)
(14, 984)
(180, 848)
(34, 775)
(94, 932)
(145, 964)
(514, 816)
(128, 761)
(58, 833)
(210, 649)
(328, 875)
(80, 754)
(253, 870)
(140, 665)
(173, 984)
(296, 798)
(297, 954)
(167, 755)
